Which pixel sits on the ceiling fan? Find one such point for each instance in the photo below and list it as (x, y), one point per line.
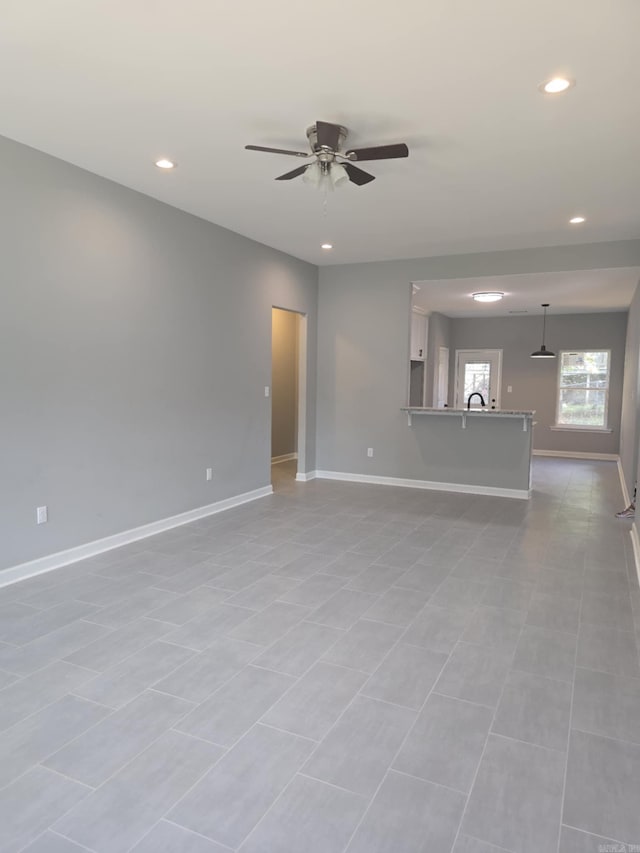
(331, 165)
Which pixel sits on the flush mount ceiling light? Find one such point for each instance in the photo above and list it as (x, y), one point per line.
(488, 296)
(577, 220)
(327, 246)
(556, 85)
(163, 163)
(543, 352)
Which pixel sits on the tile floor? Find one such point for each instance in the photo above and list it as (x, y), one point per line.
(335, 668)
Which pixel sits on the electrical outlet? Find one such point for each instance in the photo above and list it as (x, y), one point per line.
(369, 452)
(42, 515)
(266, 390)
(209, 473)
(509, 389)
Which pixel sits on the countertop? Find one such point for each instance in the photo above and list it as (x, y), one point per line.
(428, 410)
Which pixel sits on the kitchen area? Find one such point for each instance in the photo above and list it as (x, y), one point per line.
(496, 376)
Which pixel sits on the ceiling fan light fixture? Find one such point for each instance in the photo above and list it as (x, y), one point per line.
(338, 175)
(312, 175)
(543, 352)
(488, 296)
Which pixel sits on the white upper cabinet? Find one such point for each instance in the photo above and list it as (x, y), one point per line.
(418, 336)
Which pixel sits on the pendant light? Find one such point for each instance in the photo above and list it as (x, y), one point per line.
(543, 352)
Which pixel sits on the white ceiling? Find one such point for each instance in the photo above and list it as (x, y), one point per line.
(494, 164)
(581, 292)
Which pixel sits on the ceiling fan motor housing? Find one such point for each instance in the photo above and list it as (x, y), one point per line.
(323, 152)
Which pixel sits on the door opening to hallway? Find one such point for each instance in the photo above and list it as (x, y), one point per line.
(285, 395)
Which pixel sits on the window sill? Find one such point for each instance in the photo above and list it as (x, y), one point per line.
(570, 428)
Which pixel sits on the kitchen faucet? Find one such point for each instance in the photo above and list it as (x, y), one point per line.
(475, 394)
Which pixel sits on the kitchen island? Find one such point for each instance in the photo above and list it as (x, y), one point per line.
(482, 451)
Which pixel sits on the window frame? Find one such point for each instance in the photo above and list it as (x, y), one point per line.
(559, 387)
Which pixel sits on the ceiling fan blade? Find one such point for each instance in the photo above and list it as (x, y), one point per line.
(276, 150)
(379, 152)
(294, 174)
(358, 176)
(328, 134)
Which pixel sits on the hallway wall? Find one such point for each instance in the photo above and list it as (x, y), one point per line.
(135, 344)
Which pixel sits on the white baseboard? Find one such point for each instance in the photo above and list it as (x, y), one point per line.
(493, 491)
(568, 454)
(99, 546)
(623, 484)
(635, 542)
(287, 457)
(304, 478)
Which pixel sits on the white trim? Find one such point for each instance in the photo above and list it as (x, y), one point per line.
(623, 484)
(286, 457)
(635, 543)
(570, 454)
(570, 428)
(99, 546)
(559, 388)
(304, 478)
(466, 488)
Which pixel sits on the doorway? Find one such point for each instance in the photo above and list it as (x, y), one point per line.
(288, 396)
(478, 372)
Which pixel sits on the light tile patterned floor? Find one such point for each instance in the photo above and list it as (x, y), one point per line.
(335, 668)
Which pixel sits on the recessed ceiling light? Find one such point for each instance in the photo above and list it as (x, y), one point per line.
(488, 296)
(326, 246)
(556, 85)
(577, 220)
(163, 163)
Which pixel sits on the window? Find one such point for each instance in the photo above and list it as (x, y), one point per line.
(583, 389)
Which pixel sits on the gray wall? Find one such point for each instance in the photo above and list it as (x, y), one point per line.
(631, 397)
(416, 383)
(535, 381)
(439, 336)
(284, 382)
(363, 347)
(135, 344)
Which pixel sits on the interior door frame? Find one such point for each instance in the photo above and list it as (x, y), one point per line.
(436, 383)
(302, 380)
(494, 352)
